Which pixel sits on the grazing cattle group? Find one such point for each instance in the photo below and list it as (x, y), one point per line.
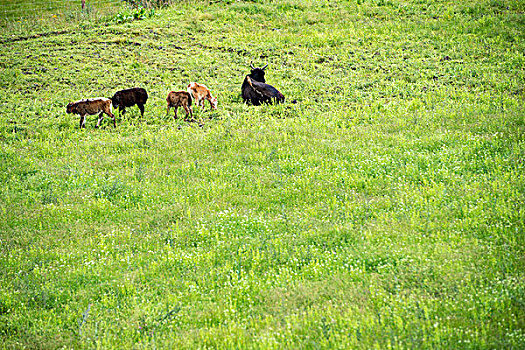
(254, 90)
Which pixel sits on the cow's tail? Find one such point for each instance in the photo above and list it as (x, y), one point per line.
(249, 80)
(190, 90)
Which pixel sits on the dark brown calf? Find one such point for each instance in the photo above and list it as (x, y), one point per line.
(90, 106)
(130, 97)
(177, 99)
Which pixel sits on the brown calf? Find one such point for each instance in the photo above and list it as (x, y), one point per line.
(177, 99)
(200, 93)
(91, 106)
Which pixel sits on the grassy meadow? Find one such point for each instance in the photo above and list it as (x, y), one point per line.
(381, 206)
(21, 16)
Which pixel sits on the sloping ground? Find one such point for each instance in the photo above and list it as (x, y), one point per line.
(384, 208)
(23, 16)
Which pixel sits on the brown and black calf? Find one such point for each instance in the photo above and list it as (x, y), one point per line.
(130, 97)
(177, 99)
(90, 106)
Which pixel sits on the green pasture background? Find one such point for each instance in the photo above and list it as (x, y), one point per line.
(381, 206)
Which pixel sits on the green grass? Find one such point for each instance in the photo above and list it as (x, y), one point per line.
(22, 16)
(384, 209)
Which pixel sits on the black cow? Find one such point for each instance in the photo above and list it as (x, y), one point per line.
(255, 89)
(128, 98)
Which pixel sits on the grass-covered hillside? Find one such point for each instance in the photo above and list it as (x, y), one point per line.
(383, 209)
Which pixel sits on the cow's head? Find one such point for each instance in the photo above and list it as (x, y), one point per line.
(69, 108)
(115, 100)
(213, 102)
(257, 74)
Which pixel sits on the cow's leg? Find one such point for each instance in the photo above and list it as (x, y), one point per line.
(100, 117)
(189, 112)
(141, 107)
(122, 110)
(175, 117)
(113, 117)
(82, 120)
(168, 111)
